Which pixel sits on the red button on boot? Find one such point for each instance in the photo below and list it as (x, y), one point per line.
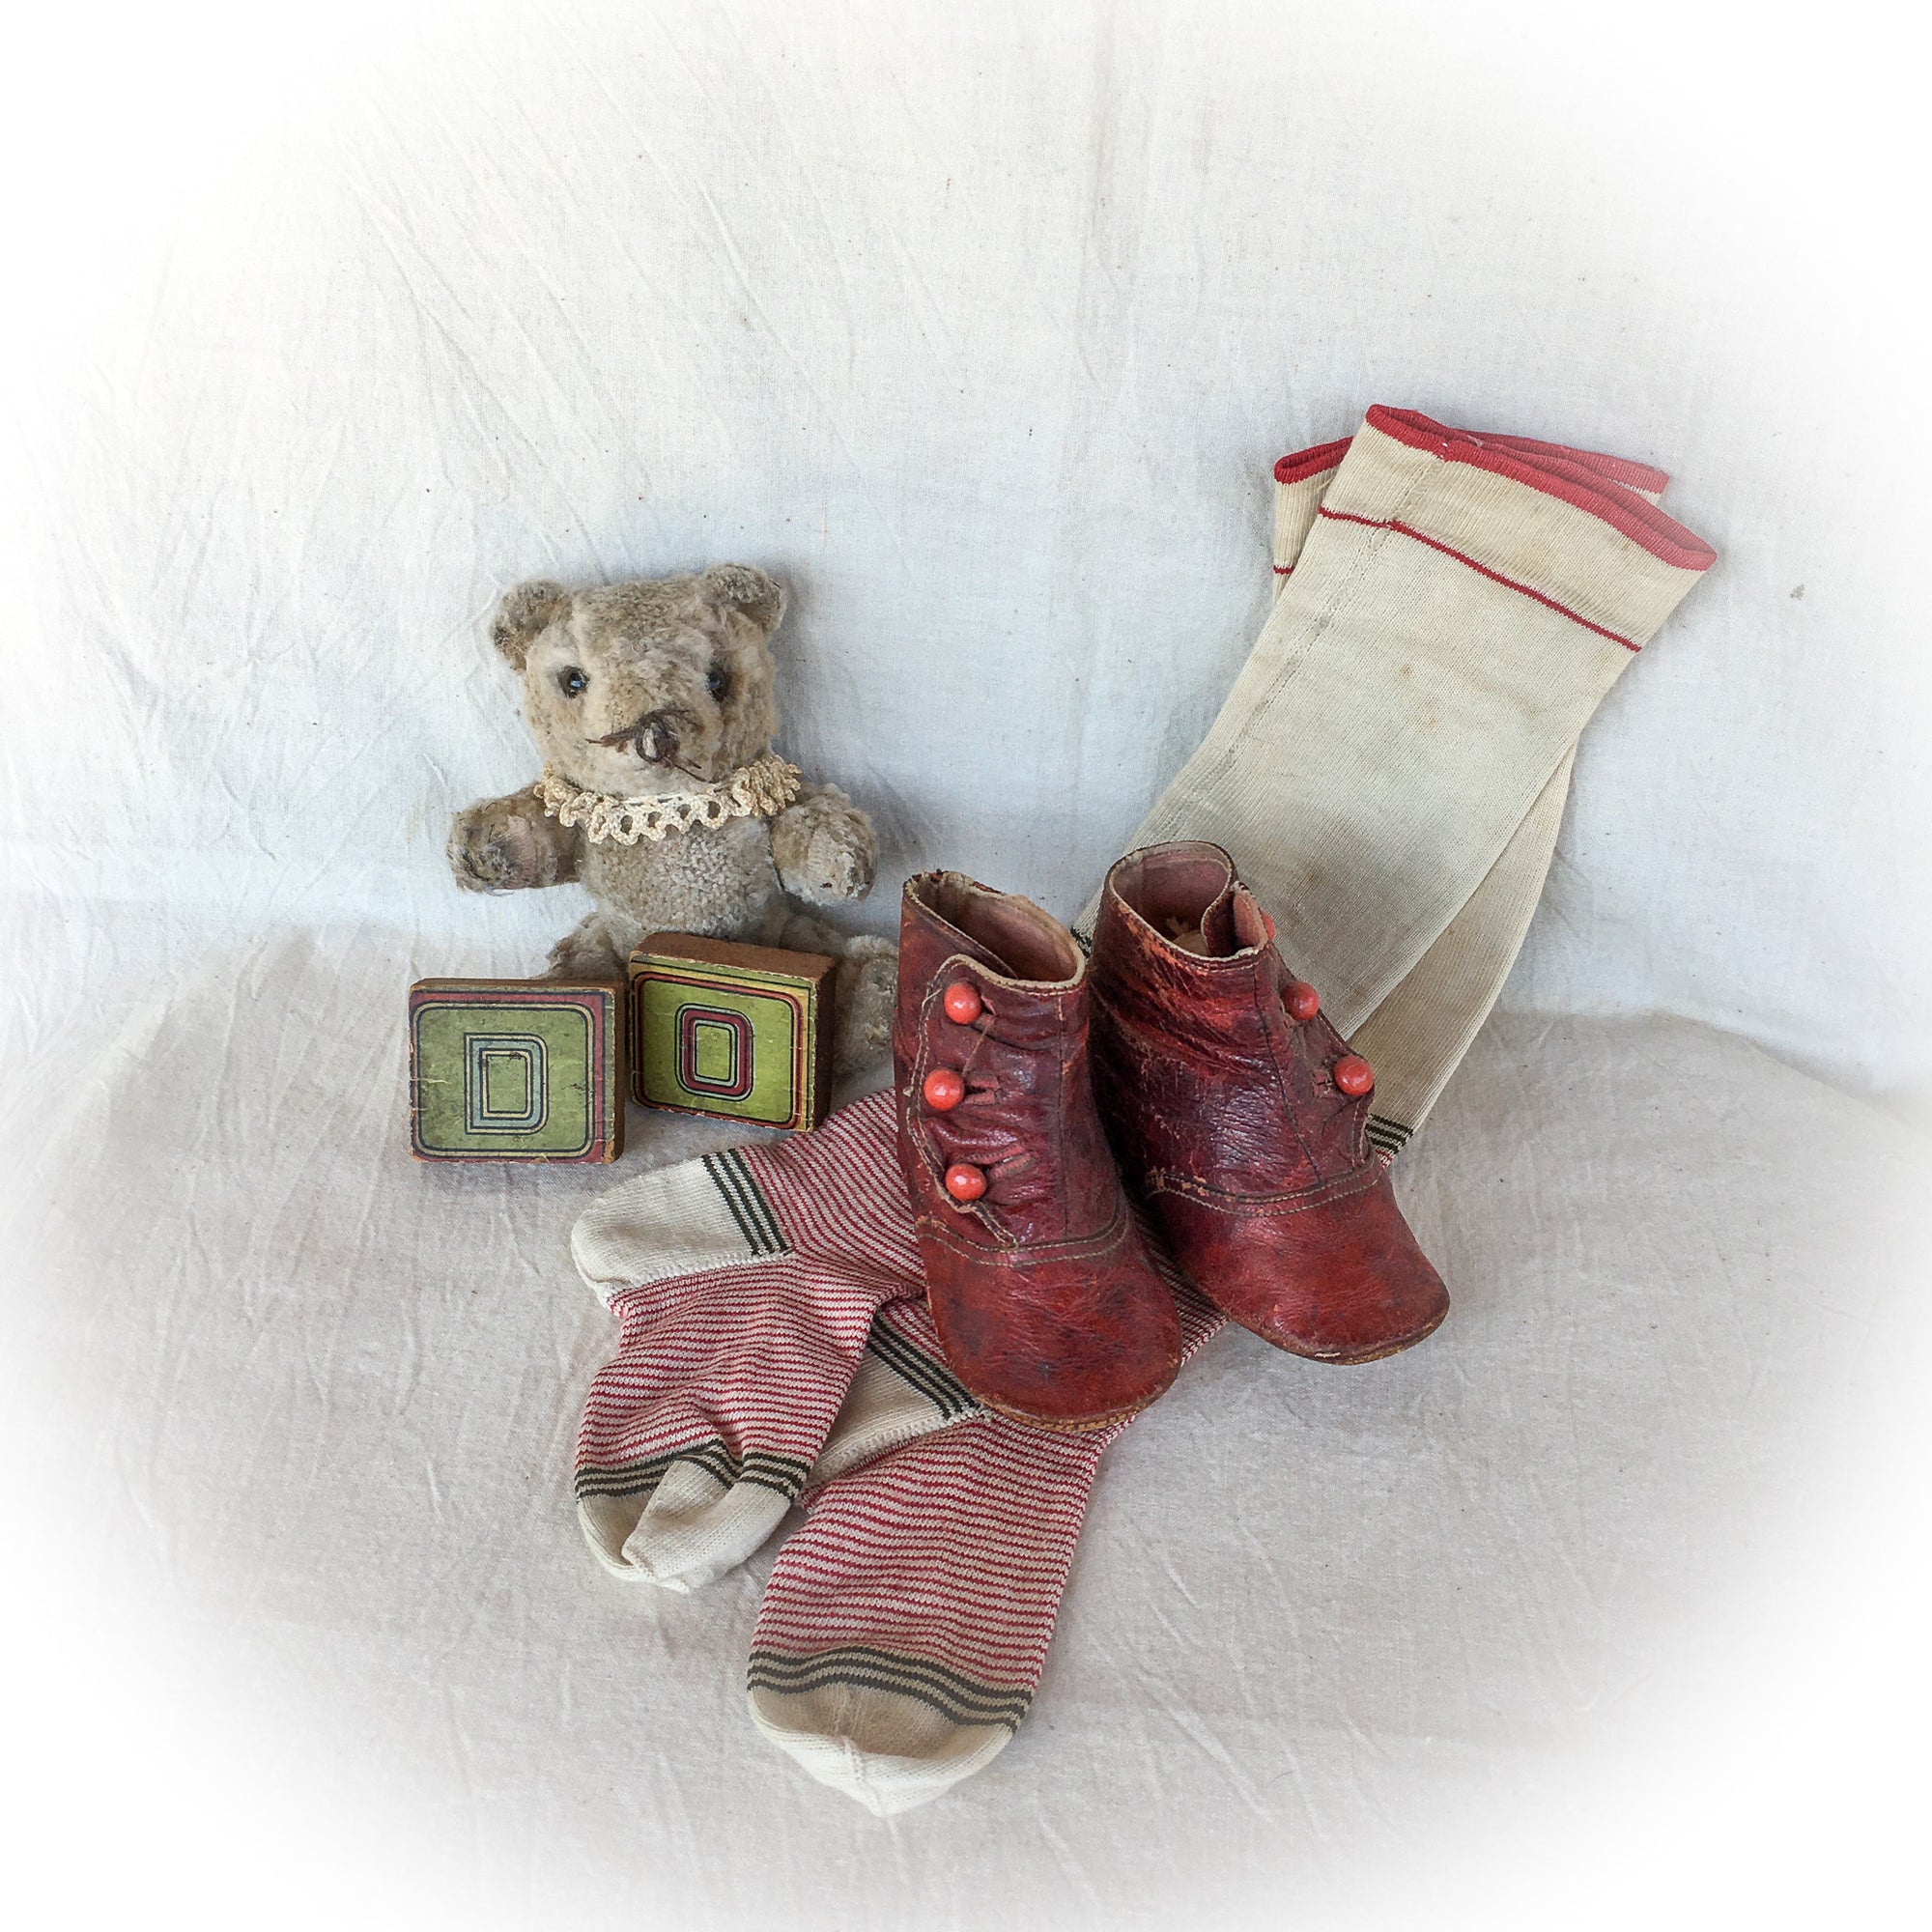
(963, 1182)
(1302, 1001)
(962, 1002)
(1354, 1075)
(944, 1090)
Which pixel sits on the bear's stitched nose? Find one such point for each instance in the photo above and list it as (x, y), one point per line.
(653, 737)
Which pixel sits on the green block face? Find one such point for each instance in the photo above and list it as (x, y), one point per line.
(515, 1070)
(717, 1037)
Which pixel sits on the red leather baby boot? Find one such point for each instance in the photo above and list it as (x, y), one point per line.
(1045, 1301)
(1240, 1117)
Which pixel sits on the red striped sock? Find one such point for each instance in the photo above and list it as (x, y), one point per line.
(745, 1285)
(905, 1625)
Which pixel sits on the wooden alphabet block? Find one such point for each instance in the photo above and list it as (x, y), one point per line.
(516, 1070)
(741, 1031)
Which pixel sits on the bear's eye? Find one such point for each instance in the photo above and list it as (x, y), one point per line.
(719, 682)
(570, 681)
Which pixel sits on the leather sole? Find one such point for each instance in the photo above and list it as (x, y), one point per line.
(1086, 1426)
(1353, 1358)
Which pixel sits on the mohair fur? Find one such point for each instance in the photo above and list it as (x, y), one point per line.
(679, 692)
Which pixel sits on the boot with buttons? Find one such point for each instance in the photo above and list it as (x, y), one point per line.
(1240, 1117)
(1042, 1289)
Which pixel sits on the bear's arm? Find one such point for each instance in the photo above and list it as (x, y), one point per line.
(508, 844)
(824, 847)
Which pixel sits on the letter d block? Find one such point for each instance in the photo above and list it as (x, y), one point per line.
(516, 1070)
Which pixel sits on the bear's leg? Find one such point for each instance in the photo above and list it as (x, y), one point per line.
(800, 932)
(862, 990)
(586, 953)
(863, 998)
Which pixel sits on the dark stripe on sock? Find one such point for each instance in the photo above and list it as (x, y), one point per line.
(916, 1368)
(854, 1679)
(898, 1664)
(786, 1483)
(714, 1166)
(734, 1183)
(754, 1196)
(1391, 1136)
(762, 1467)
(642, 1479)
(956, 1697)
(749, 1207)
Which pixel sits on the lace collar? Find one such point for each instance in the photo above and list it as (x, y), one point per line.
(762, 789)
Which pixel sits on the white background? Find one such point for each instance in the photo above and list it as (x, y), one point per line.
(980, 326)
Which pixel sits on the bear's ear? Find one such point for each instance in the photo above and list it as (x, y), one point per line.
(522, 614)
(743, 587)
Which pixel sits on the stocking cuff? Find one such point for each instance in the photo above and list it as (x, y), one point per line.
(1302, 477)
(1538, 519)
(1300, 481)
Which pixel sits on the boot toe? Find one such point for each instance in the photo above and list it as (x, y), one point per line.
(1063, 1344)
(1338, 1281)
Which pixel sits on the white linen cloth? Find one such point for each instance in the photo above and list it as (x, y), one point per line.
(979, 328)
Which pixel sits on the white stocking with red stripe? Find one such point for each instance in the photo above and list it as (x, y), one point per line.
(1417, 1036)
(1457, 609)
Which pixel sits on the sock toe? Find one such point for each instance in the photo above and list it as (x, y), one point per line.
(688, 1531)
(889, 1753)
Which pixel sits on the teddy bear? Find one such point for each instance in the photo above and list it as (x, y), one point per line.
(654, 704)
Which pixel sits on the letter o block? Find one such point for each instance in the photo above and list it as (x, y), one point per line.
(740, 1032)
